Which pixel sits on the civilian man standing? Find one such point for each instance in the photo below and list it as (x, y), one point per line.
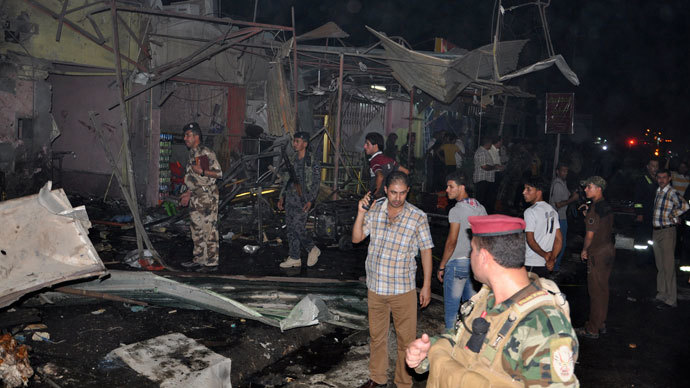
(668, 206)
(542, 233)
(397, 230)
(599, 253)
(454, 270)
(380, 165)
(485, 174)
(560, 198)
(645, 190)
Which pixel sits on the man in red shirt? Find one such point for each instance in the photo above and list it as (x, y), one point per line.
(380, 165)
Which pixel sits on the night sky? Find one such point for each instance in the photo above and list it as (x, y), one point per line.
(631, 56)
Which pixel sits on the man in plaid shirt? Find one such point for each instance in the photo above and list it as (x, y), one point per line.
(668, 206)
(397, 230)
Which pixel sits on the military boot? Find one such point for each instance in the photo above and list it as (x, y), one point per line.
(313, 256)
(290, 262)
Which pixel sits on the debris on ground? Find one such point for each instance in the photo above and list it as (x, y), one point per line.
(15, 369)
(174, 360)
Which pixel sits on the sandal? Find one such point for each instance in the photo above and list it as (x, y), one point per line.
(582, 332)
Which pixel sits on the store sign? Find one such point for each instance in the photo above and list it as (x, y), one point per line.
(560, 112)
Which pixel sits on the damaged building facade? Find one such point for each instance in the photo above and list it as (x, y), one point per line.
(94, 96)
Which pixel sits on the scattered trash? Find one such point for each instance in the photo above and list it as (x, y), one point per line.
(172, 311)
(632, 346)
(251, 249)
(35, 326)
(307, 312)
(20, 338)
(174, 360)
(15, 369)
(136, 309)
(147, 262)
(49, 369)
(41, 336)
(98, 312)
(110, 363)
(630, 298)
(228, 236)
(233, 325)
(122, 218)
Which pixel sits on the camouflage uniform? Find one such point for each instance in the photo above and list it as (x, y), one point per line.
(530, 343)
(309, 177)
(203, 207)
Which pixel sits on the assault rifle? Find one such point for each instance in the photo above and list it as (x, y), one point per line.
(291, 171)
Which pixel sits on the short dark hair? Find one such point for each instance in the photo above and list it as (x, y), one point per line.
(537, 182)
(375, 138)
(194, 128)
(508, 250)
(397, 176)
(302, 135)
(456, 176)
(561, 165)
(663, 171)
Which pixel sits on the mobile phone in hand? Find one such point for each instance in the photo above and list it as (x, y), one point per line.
(371, 201)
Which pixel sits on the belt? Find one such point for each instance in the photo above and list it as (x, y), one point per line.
(664, 227)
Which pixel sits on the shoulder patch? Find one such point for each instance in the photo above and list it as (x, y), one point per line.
(562, 360)
(590, 220)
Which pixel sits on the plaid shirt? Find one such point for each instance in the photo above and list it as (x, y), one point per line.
(668, 206)
(481, 158)
(391, 265)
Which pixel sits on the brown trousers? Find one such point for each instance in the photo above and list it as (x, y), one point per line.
(665, 257)
(599, 266)
(404, 309)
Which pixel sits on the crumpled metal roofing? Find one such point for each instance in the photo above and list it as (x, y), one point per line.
(444, 79)
(328, 30)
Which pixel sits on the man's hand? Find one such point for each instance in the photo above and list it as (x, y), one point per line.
(551, 261)
(364, 202)
(439, 275)
(417, 350)
(197, 169)
(584, 255)
(306, 207)
(424, 296)
(184, 198)
(280, 203)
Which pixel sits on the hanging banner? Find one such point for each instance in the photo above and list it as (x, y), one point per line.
(560, 113)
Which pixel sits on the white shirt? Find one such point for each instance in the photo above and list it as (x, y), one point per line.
(542, 220)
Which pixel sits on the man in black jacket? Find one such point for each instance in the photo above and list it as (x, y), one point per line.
(645, 191)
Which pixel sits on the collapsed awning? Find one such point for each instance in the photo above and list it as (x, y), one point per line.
(43, 241)
(444, 79)
(328, 30)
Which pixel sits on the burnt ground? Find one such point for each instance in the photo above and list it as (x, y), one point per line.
(644, 347)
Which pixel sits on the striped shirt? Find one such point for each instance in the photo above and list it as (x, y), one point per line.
(391, 265)
(482, 157)
(680, 181)
(668, 206)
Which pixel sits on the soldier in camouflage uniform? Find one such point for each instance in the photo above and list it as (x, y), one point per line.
(299, 193)
(515, 332)
(202, 197)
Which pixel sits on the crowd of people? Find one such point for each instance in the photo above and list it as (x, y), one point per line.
(515, 330)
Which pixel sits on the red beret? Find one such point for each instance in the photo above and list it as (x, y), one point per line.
(495, 225)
